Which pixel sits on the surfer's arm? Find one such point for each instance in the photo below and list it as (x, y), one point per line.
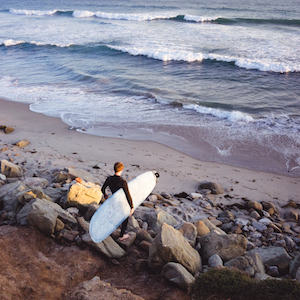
(128, 196)
(105, 185)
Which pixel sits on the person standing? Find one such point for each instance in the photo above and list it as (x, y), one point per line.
(115, 183)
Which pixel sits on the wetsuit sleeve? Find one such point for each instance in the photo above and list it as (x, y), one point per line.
(128, 196)
(105, 185)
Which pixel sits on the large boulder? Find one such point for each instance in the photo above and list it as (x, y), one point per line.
(84, 194)
(96, 289)
(8, 195)
(44, 214)
(274, 256)
(226, 246)
(250, 263)
(170, 246)
(178, 274)
(9, 169)
(108, 247)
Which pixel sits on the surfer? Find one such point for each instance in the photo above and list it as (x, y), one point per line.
(115, 183)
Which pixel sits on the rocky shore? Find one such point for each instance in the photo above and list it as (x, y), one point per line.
(175, 236)
(200, 216)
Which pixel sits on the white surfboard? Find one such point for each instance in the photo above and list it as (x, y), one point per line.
(116, 209)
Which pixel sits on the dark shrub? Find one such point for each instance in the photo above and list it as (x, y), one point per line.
(219, 284)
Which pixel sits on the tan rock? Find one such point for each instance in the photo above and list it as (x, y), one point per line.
(170, 246)
(9, 169)
(84, 194)
(202, 229)
(8, 129)
(255, 205)
(22, 143)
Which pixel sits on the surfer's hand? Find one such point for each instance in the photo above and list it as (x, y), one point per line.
(131, 211)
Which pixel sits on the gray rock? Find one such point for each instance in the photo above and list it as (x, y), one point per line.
(9, 190)
(226, 246)
(127, 243)
(189, 231)
(91, 210)
(43, 215)
(255, 215)
(21, 216)
(294, 266)
(250, 262)
(215, 188)
(9, 169)
(297, 277)
(226, 214)
(95, 289)
(28, 195)
(108, 247)
(215, 261)
(83, 224)
(35, 182)
(55, 194)
(274, 256)
(143, 235)
(77, 172)
(259, 226)
(156, 218)
(133, 224)
(170, 246)
(177, 274)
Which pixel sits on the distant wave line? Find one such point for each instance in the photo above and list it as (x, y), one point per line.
(186, 56)
(198, 57)
(156, 16)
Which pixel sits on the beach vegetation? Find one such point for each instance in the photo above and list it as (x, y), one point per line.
(230, 284)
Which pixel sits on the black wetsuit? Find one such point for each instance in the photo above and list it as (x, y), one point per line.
(115, 183)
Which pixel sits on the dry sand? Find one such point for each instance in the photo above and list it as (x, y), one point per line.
(54, 146)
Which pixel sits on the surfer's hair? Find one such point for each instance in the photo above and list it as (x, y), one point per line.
(118, 166)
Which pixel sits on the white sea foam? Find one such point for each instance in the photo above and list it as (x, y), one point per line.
(11, 42)
(233, 116)
(162, 54)
(188, 56)
(199, 18)
(83, 14)
(134, 17)
(32, 12)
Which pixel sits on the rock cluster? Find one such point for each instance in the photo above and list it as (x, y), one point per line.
(183, 234)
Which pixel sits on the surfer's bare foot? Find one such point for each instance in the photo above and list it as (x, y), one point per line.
(124, 237)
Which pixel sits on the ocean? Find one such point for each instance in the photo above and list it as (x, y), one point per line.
(217, 80)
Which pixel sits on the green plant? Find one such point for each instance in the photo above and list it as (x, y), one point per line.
(223, 284)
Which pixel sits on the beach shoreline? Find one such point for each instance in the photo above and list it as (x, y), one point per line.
(54, 146)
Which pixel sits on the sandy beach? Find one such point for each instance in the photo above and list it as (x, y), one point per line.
(54, 146)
